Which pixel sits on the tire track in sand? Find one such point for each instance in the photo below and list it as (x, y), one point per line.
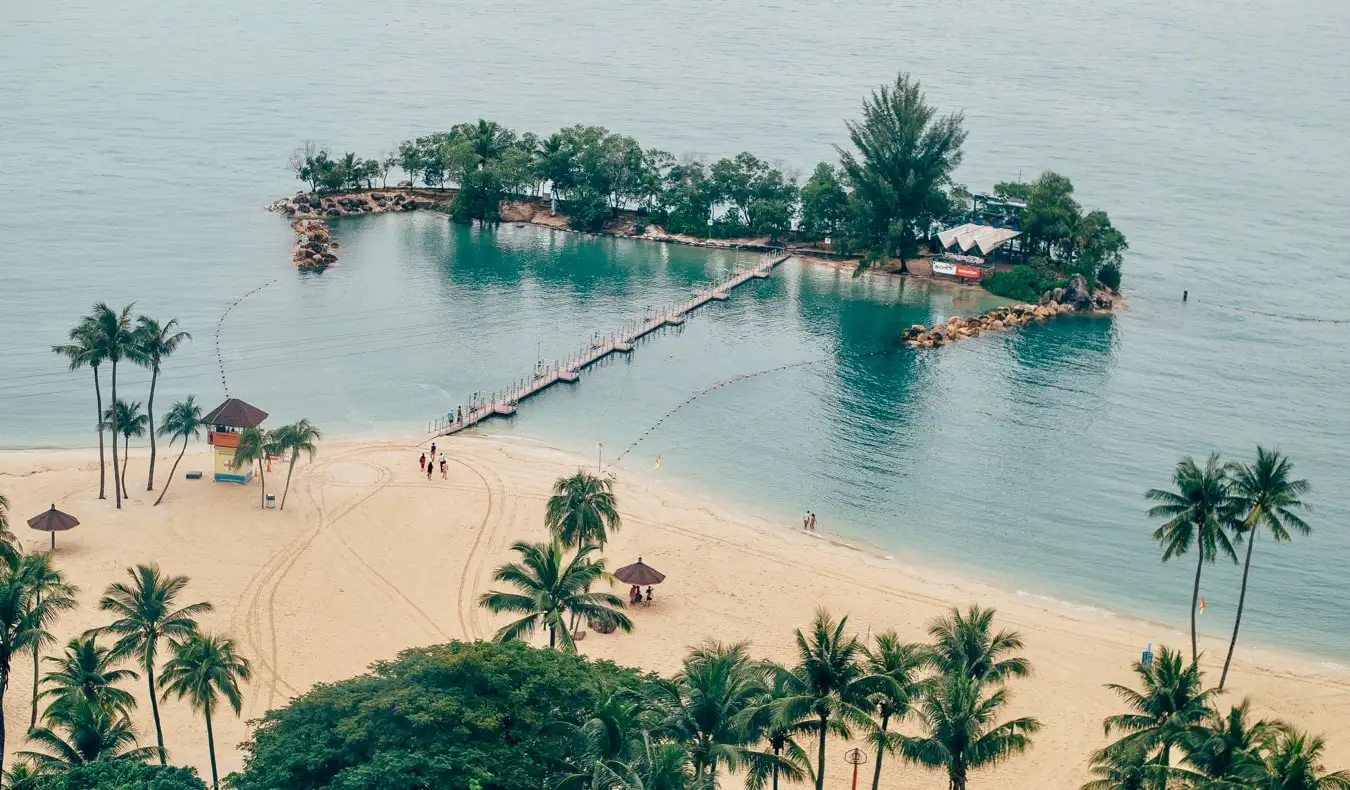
(465, 604)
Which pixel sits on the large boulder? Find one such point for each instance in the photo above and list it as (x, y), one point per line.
(1077, 294)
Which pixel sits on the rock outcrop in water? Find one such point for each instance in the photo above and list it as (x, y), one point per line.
(314, 245)
(1074, 298)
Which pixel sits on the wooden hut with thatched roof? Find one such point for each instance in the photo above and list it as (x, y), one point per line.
(227, 421)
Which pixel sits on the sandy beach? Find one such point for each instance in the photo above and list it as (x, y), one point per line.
(371, 557)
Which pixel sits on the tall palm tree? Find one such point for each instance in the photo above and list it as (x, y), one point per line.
(1129, 768)
(762, 723)
(957, 717)
(45, 582)
(23, 620)
(898, 665)
(85, 734)
(116, 337)
(87, 672)
(182, 423)
(147, 611)
(964, 644)
(85, 349)
(128, 420)
(1197, 513)
(704, 705)
(294, 439)
(1294, 762)
(552, 586)
(255, 445)
(582, 510)
(155, 342)
(1171, 701)
(1218, 746)
(1265, 497)
(828, 682)
(205, 668)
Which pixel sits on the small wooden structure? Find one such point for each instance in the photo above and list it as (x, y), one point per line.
(227, 421)
(53, 521)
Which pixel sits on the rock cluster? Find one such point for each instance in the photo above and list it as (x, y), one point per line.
(1074, 298)
(314, 245)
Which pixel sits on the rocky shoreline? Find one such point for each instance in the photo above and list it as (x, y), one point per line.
(1076, 297)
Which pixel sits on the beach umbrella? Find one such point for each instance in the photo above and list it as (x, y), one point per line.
(53, 521)
(639, 573)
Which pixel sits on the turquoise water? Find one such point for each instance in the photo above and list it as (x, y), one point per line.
(140, 141)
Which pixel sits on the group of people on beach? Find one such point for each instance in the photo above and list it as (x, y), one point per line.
(428, 465)
(809, 521)
(635, 594)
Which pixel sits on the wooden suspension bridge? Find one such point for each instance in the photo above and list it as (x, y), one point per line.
(502, 403)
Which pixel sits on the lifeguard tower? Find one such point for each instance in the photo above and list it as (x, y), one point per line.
(227, 421)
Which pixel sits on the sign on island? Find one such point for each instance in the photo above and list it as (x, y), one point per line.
(956, 270)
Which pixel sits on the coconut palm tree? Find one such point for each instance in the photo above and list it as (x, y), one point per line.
(1128, 768)
(1171, 701)
(294, 439)
(155, 342)
(9, 542)
(147, 611)
(26, 776)
(762, 723)
(657, 766)
(1294, 762)
(23, 619)
(182, 423)
(85, 349)
(45, 581)
(1266, 498)
(1219, 745)
(898, 665)
(128, 420)
(963, 643)
(116, 337)
(704, 705)
(552, 586)
(603, 741)
(205, 668)
(828, 682)
(85, 734)
(87, 672)
(957, 719)
(1197, 513)
(255, 445)
(582, 510)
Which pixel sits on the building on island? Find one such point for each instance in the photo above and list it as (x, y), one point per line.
(226, 422)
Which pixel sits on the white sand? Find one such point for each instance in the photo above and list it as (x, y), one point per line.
(370, 557)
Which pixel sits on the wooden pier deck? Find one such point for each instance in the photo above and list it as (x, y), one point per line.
(503, 402)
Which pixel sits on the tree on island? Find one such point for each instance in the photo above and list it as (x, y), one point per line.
(155, 342)
(183, 423)
(904, 159)
(85, 349)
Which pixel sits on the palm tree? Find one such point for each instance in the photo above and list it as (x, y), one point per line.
(1222, 743)
(704, 706)
(85, 734)
(204, 668)
(9, 542)
(963, 644)
(116, 339)
(1196, 514)
(785, 757)
(1265, 496)
(294, 439)
(155, 342)
(1294, 762)
(145, 611)
(552, 586)
(1171, 701)
(1128, 768)
(828, 682)
(255, 445)
(128, 420)
(182, 423)
(582, 510)
(656, 766)
(86, 349)
(87, 673)
(26, 776)
(603, 740)
(45, 582)
(959, 734)
(897, 664)
(23, 619)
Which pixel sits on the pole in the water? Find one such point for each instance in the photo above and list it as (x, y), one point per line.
(1185, 295)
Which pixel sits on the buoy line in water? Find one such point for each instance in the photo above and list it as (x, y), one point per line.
(1287, 316)
(220, 323)
(742, 377)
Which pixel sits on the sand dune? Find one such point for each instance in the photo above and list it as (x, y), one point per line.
(370, 557)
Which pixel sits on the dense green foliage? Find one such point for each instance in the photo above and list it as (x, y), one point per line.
(1057, 228)
(119, 775)
(1023, 283)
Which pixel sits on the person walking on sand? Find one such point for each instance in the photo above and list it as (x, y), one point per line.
(806, 520)
(433, 449)
(422, 462)
(459, 414)
(443, 467)
(431, 467)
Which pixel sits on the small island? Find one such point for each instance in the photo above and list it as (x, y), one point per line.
(889, 204)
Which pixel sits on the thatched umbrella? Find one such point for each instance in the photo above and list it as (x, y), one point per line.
(639, 573)
(53, 521)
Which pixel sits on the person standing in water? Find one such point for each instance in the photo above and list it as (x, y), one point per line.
(806, 520)
(813, 522)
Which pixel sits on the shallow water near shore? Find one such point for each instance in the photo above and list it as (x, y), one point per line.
(141, 142)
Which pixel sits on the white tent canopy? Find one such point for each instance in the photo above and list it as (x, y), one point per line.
(985, 237)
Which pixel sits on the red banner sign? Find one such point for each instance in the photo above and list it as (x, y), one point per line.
(970, 272)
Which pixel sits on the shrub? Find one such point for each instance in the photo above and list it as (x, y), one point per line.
(1109, 277)
(121, 775)
(1023, 283)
